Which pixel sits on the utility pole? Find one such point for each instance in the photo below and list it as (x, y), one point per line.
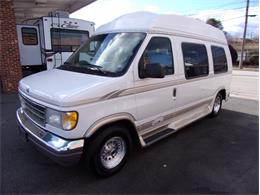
(244, 37)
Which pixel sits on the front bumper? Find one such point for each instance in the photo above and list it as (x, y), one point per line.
(63, 151)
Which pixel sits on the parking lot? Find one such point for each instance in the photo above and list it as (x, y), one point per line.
(218, 155)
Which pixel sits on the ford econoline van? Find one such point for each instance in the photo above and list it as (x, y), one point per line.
(138, 79)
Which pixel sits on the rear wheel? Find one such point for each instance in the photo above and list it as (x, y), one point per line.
(108, 151)
(217, 105)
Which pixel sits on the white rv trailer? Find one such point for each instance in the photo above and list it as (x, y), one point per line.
(49, 41)
(139, 78)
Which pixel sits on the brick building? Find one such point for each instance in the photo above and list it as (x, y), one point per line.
(9, 59)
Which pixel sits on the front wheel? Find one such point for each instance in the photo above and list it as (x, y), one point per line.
(108, 151)
(217, 105)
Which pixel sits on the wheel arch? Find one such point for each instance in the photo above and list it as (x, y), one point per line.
(124, 119)
(223, 92)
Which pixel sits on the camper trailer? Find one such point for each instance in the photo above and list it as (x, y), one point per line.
(138, 79)
(47, 42)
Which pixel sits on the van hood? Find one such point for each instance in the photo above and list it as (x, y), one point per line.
(65, 88)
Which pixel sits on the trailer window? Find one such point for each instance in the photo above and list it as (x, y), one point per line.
(195, 60)
(64, 40)
(158, 51)
(219, 59)
(29, 36)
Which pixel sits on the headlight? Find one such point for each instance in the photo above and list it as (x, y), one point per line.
(63, 120)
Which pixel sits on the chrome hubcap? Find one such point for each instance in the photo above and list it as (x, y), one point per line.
(217, 104)
(113, 152)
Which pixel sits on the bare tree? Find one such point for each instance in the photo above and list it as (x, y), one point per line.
(218, 24)
(215, 22)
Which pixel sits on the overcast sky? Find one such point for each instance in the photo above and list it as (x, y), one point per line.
(230, 12)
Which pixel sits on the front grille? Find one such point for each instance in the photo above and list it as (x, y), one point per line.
(34, 111)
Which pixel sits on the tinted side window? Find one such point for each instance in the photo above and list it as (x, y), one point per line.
(158, 51)
(29, 36)
(219, 59)
(195, 60)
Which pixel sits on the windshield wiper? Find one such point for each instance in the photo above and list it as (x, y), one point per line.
(93, 66)
(84, 65)
(67, 63)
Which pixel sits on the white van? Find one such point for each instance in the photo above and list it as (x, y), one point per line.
(138, 79)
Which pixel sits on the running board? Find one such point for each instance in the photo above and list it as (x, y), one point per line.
(158, 136)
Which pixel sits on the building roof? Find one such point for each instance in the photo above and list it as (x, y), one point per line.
(166, 24)
(27, 9)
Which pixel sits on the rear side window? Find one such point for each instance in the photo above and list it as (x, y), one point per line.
(158, 51)
(195, 60)
(219, 59)
(29, 36)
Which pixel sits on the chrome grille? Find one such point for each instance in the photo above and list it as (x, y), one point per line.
(34, 111)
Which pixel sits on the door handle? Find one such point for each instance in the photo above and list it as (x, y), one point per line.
(174, 93)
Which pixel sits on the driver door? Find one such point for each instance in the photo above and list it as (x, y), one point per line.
(154, 96)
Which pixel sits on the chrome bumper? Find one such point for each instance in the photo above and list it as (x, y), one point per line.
(65, 152)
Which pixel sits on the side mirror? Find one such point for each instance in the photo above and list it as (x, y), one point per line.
(153, 71)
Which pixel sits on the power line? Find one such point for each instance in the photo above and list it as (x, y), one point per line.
(225, 5)
(222, 10)
(232, 18)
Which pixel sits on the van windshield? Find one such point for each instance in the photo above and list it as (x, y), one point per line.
(106, 55)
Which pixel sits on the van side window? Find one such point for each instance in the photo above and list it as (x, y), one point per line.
(195, 60)
(158, 51)
(29, 36)
(219, 59)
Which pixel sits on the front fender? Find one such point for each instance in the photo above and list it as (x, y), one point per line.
(107, 120)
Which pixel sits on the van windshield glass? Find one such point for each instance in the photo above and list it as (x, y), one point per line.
(106, 54)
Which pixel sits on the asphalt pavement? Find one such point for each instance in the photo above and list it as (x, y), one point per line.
(218, 155)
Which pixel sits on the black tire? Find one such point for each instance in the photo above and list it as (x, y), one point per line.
(96, 144)
(217, 102)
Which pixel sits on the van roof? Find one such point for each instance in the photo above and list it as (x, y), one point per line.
(163, 24)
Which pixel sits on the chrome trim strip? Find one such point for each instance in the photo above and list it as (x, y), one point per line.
(51, 141)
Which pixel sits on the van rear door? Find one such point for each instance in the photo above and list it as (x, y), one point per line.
(29, 45)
